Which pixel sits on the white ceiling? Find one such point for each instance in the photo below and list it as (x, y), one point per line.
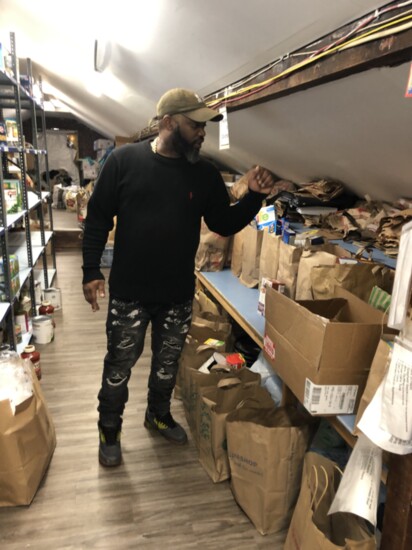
(343, 129)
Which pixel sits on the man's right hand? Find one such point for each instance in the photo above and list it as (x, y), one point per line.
(92, 290)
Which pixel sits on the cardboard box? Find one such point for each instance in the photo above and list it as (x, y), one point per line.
(122, 140)
(322, 349)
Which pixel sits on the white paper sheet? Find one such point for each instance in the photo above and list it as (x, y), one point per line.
(369, 424)
(396, 415)
(358, 491)
(224, 142)
(403, 278)
(16, 383)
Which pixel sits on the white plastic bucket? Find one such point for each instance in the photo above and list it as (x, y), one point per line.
(43, 330)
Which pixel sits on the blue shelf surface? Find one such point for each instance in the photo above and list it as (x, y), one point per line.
(242, 299)
(348, 421)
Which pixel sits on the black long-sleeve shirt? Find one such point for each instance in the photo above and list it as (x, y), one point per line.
(159, 202)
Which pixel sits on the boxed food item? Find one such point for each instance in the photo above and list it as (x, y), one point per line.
(264, 284)
(13, 196)
(11, 129)
(227, 361)
(266, 218)
(3, 132)
(102, 144)
(14, 286)
(14, 266)
(90, 168)
(322, 349)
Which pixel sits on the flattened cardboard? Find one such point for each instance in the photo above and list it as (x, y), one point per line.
(329, 342)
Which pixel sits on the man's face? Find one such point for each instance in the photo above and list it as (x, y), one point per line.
(187, 137)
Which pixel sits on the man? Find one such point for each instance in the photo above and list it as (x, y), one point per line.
(159, 192)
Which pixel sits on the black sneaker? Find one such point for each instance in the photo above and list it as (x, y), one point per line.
(166, 426)
(110, 452)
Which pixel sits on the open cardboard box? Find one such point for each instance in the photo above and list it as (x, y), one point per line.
(322, 349)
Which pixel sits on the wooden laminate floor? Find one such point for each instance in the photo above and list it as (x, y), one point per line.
(160, 498)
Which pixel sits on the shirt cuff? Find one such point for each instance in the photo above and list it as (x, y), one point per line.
(92, 274)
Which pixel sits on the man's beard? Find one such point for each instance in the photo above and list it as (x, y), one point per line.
(183, 147)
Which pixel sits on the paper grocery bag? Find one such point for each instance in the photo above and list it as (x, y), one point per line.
(269, 256)
(194, 354)
(212, 250)
(215, 404)
(210, 325)
(199, 380)
(308, 260)
(237, 252)
(205, 326)
(252, 243)
(311, 526)
(289, 257)
(358, 278)
(203, 304)
(27, 443)
(266, 448)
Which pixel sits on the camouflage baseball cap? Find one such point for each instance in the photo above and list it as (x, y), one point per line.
(181, 101)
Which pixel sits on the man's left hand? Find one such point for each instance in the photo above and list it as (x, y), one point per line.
(260, 180)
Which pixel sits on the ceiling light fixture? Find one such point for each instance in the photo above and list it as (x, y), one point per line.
(102, 52)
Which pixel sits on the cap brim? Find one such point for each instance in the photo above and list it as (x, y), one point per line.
(204, 114)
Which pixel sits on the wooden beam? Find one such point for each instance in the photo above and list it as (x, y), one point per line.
(397, 521)
(388, 51)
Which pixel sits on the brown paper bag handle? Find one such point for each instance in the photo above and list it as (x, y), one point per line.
(228, 382)
(315, 489)
(314, 468)
(243, 402)
(220, 368)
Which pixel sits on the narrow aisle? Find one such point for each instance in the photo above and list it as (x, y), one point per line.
(159, 498)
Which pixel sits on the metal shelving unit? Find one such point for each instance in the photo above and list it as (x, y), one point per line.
(23, 233)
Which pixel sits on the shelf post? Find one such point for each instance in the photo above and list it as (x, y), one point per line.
(397, 520)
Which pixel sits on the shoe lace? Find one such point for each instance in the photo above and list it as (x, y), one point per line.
(110, 436)
(167, 420)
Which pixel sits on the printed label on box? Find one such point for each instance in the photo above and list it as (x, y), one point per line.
(269, 346)
(332, 399)
(396, 415)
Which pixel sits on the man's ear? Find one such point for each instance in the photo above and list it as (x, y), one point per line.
(169, 123)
